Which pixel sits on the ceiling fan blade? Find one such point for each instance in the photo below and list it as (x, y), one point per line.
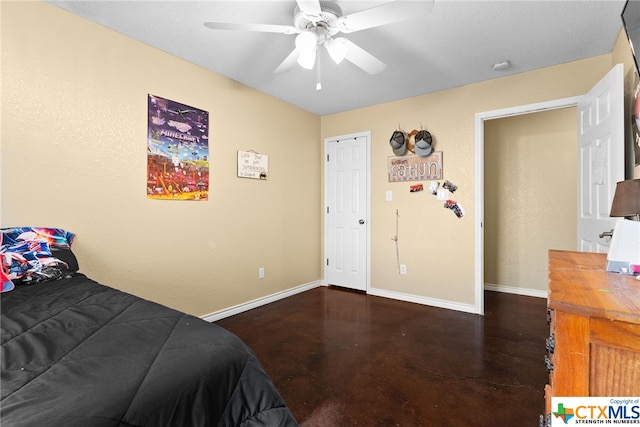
(311, 9)
(288, 62)
(384, 14)
(362, 58)
(265, 28)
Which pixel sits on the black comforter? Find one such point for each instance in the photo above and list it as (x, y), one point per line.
(77, 353)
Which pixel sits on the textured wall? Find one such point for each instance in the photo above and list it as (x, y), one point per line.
(74, 127)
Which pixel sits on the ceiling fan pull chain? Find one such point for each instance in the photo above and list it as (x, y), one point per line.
(318, 81)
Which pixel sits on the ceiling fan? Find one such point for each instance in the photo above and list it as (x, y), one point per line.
(317, 22)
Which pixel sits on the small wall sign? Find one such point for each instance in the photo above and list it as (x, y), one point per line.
(252, 165)
(415, 168)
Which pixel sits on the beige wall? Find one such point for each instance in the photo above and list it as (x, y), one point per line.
(530, 195)
(436, 246)
(74, 101)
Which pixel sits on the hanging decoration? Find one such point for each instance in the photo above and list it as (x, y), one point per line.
(396, 238)
(415, 168)
(414, 158)
(418, 142)
(455, 207)
(177, 151)
(450, 186)
(253, 165)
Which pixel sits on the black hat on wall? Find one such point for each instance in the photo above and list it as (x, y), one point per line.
(398, 142)
(424, 143)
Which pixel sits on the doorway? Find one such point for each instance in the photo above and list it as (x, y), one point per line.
(600, 160)
(530, 192)
(480, 119)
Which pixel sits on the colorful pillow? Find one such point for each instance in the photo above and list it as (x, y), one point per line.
(53, 236)
(36, 254)
(7, 284)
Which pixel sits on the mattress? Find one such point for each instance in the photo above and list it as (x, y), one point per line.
(77, 353)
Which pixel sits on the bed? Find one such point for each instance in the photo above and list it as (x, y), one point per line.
(77, 353)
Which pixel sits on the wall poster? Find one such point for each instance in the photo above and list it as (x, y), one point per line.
(177, 151)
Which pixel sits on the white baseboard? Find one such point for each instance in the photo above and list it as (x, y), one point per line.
(241, 308)
(433, 302)
(467, 308)
(516, 290)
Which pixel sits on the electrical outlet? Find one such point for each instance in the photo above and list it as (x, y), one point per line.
(403, 269)
(261, 273)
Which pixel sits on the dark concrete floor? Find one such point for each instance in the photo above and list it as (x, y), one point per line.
(342, 358)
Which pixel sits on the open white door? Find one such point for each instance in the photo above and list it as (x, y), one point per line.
(347, 210)
(600, 158)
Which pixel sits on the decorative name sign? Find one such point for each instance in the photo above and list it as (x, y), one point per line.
(415, 168)
(252, 165)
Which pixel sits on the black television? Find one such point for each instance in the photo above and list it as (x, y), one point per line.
(631, 23)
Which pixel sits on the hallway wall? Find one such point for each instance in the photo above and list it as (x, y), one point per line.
(530, 195)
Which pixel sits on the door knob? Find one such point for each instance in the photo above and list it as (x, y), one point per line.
(606, 234)
(361, 221)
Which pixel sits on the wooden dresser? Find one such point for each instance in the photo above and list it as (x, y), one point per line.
(594, 318)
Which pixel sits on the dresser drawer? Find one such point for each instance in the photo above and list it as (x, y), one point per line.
(570, 358)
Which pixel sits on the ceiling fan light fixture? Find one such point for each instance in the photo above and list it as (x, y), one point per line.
(306, 41)
(337, 49)
(316, 22)
(307, 58)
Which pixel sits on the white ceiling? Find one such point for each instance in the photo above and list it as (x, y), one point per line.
(455, 45)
